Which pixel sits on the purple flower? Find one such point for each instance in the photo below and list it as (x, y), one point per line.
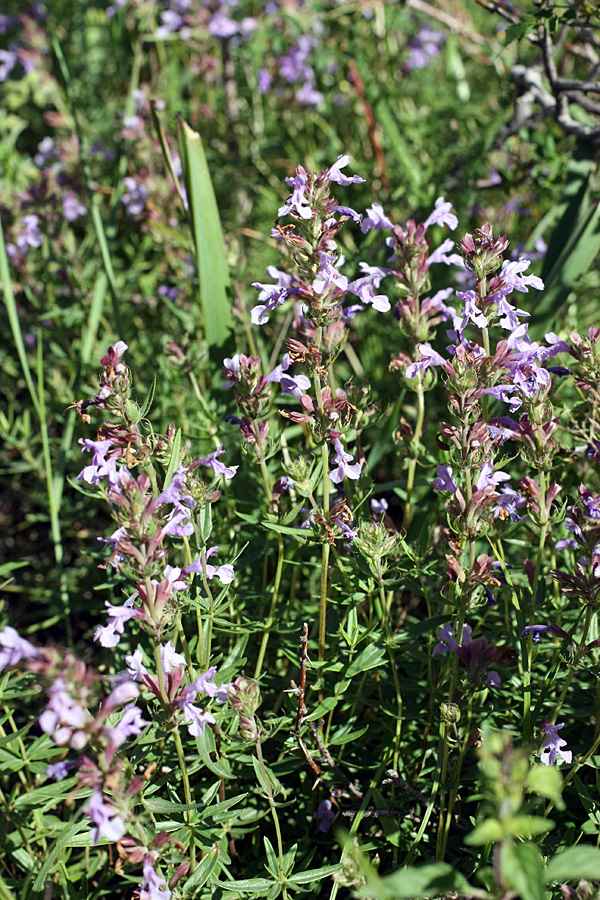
(375, 219)
(171, 21)
(447, 642)
(172, 493)
(100, 467)
(170, 657)
(349, 212)
(29, 234)
(336, 175)
(297, 199)
(14, 648)
(8, 60)
(509, 501)
(153, 886)
(105, 818)
(264, 80)
(444, 480)
(364, 288)
(429, 357)
(345, 468)
(513, 279)
(447, 313)
(130, 724)
(294, 385)
(328, 276)
(223, 573)
(324, 816)
(552, 746)
(222, 26)
(272, 295)
(179, 522)
(109, 635)
(308, 95)
(6, 22)
(505, 393)
(424, 47)
(64, 718)
(205, 684)
(502, 429)
(195, 718)
(135, 196)
(46, 152)
(59, 771)
(379, 507)
(348, 533)
(471, 310)
(488, 478)
(212, 462)
(72, 207)
(135, 667)
(120, 695)
(442, 215)
(172, 575)
(552, 628)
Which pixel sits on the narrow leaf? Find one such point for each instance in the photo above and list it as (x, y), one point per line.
(208, 239)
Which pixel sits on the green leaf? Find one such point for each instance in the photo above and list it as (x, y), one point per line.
(527, 826)
(573, 864)
(63, 841)
(300, 533)
(489, 831)
(47, 795)
(205, 521)
(272, 863)
(369, 658)
(404, 154)
(419, 883)
(203, 871)
(574, 243)
(515, 32)
(314, 874)
(175, 457)
(546, 781)
(247, 885)
(208, 239)
(266, 779)
(208, 753)
(148, 401)
(346, 734)
(521, 867)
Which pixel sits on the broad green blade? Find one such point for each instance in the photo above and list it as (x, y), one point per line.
(579, 252)
(573, 206)
(208, 238)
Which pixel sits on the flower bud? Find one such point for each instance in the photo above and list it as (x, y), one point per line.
(450, 713)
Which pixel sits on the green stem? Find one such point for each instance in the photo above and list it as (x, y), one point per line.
(527, 687)
(485, 402)
(273, 608)
(211, 613)
(445, 728)
(325, 550)
(271, 799)
(389, 640)
(445, 831)
(414, 447)
(159, 672)
(187, 794)
(276, 585)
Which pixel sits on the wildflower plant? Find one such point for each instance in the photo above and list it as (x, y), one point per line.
(328, 603)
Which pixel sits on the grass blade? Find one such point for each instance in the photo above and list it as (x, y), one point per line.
(208, 239)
